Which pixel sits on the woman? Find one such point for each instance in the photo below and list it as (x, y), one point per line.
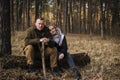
(61, 44)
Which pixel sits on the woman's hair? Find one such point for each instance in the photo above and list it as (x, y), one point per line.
(58, 30)
(52, 25)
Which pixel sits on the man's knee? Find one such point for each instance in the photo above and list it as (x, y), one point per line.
(29, 49)
(29, 53)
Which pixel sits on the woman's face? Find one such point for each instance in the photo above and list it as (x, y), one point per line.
(52, 30)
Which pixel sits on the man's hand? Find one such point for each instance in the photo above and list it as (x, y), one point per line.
(61, 56)
(45, 40)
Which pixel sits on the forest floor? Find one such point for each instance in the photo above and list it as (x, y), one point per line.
(104, 59)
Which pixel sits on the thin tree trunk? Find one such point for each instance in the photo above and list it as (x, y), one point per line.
(90, 16)
(103, 19)
(80, 16)
(57, 13)
(66, 16)
(20, 14)
(76, 17)
(60, 16)
(37, 4)
(11, 15)
(28, 13)
(71, 16)
(24, 15)
(17, 14)
(84, 20)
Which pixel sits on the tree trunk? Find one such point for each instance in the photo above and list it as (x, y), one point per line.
(37, 4)
(103, 19)
(66, 16)
(7, 62)
(11, 15)
(84, 14)
(71, 16)
(17, 14)
(115, 13)
(76, 20)
(24, 15)
(28, 14)
(5, 30)
(20, 14)
(80, 24)
(90, 16)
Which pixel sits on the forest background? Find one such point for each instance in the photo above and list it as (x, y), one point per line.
(91, 26)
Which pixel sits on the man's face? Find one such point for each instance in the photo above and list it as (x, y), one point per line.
(39, 24)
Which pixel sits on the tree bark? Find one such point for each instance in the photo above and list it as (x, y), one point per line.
(103, 19)
(84, 15)
(28, 14)
(11, 15)
(5, 30)
(66, 17)
(37, 4)
(90, 16)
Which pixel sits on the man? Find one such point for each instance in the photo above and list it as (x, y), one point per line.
(33, 42)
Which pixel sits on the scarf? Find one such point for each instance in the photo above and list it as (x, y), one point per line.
(58, 38)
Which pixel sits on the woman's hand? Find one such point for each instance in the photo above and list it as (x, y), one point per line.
(61, 56)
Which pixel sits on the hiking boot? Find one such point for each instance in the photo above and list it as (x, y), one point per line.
(31, 68)
(76, 74)
(55, 71)
(61, 70)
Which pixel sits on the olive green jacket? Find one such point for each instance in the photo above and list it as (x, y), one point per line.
(33, 36)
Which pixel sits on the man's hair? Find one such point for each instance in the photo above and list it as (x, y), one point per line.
(41, 18)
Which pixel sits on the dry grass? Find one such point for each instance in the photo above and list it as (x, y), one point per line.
(104, 54)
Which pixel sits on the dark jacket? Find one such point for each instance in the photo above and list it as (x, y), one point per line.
(33, 36)
(63, 47)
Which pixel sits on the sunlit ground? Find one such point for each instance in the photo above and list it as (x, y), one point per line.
(104, 55)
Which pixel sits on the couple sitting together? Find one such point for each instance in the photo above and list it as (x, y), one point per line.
(55, 47)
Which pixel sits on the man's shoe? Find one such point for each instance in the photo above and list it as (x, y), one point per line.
(61, 70)
(76, 74)
(31, 68)
(55, 71)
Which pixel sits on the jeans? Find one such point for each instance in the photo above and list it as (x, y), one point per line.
(70, 61)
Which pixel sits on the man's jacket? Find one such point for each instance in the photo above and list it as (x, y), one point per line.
(33, 36)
